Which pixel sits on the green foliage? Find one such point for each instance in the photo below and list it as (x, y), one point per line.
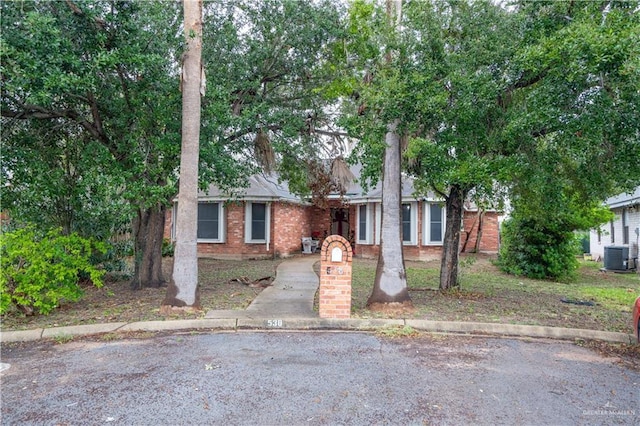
(113, 259)
(40, 270)
(167, 248)
(540, 241)
(269, 65)
(538, 250)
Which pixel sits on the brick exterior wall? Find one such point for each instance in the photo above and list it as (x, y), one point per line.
(334, 294)
(320, 221)
(235, 246)
(290, 222)
(489, 243)
(168, 222)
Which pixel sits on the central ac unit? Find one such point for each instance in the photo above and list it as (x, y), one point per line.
(616, 258)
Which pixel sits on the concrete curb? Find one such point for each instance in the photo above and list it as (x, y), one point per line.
(516, 330)
(80, 330)
(229, 323)
(354, 324)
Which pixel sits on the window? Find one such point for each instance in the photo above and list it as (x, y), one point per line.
(409, 222)
(257, 222)
(434, 222)
(364, 224)
(378, 222)
(625, 226)
(613, 232)
(210, 222)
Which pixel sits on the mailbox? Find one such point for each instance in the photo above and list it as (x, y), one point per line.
(335, 278)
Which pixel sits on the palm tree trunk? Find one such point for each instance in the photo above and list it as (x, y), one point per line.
(390, 283)
(183, 288)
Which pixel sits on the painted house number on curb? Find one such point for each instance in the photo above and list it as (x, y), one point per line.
(274, 323)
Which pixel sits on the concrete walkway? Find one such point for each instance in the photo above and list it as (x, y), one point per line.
(290, 295)
(288, 304)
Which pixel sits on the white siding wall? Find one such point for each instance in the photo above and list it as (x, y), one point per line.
(634, 239)
(597, 248)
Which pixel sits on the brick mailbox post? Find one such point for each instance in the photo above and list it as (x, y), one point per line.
(335, 278)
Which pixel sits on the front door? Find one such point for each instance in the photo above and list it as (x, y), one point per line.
(340, 222)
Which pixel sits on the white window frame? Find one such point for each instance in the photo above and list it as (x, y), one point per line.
(369, 222)
(426, 223)
(625, 226)
(248, 210)
(612, 224)
(413, 238)
(221, 223)
(378, 222)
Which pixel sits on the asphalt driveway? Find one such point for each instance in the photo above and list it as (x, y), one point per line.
(315, 378)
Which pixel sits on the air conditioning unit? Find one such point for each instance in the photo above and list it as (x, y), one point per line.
(616, 258)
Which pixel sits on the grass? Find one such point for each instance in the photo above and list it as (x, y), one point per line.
(485, 295)
(488, 295)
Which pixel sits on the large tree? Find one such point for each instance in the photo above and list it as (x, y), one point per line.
(103, 71)
(375, 119)
(51, 180)
(460, 70)
(485, 93)
(583, 126)
(183, 289)
(390, 283)
(107, 72)
(266, 106)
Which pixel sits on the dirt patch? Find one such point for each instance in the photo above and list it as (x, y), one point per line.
(116, 302)
(628, 355)
(393, 309)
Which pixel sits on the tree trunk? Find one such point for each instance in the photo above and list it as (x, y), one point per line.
(148, 231)
(390, 285)
(183, 288)
(451, 244)
(479, 233)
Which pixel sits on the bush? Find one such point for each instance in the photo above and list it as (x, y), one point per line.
(167, 248)
(536, 250)
(112, 260)
(39, 270)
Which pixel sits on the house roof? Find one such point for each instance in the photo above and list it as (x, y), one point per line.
(623, 200)
(358, 195)
(261, 187)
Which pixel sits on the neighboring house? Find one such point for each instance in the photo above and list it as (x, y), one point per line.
(266, 220)
(623, 231)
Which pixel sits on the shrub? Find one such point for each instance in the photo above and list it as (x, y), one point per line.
(39, 270)
(537, 250)
(113, 259)
(167, 248)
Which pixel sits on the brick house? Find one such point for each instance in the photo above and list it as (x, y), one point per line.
(266, 220)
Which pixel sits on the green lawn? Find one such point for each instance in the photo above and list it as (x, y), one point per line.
(488, 295)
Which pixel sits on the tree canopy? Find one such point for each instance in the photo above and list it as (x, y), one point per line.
(534, 97)
(539, 98)
(100, 79)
